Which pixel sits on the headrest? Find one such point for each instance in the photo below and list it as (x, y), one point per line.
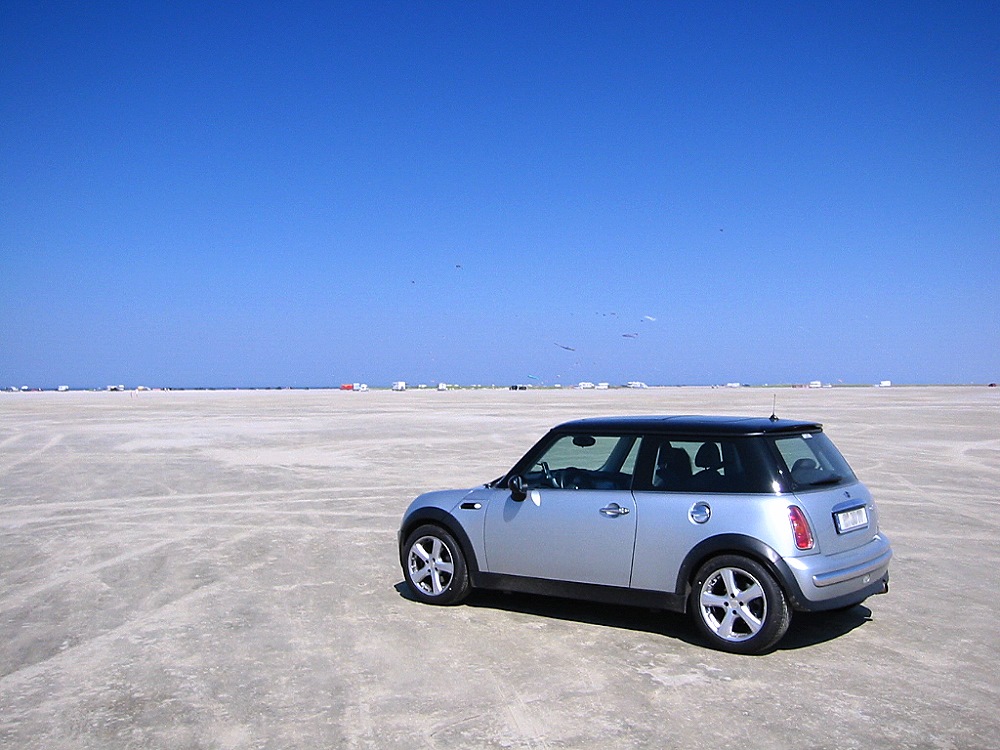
(708, 457)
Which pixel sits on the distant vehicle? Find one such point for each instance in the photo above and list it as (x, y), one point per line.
(399, 385)
(737, 521)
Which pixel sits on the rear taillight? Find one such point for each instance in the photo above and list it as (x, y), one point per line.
(800, 527)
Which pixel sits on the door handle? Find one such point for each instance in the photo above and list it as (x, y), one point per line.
(614, 510)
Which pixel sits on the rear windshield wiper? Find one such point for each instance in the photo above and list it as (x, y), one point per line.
(831, 479)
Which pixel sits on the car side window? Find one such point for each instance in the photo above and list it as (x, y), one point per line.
(586, 462)
(701, 465)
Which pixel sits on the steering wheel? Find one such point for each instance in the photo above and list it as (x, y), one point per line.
(548, 475)
(572, 478)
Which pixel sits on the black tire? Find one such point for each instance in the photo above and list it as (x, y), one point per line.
(738, 605)
(434, 566)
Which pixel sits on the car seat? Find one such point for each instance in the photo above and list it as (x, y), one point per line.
(709, 460)
(673, 468)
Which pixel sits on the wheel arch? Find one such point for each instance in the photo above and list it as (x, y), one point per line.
(738, 544)
(445, 520)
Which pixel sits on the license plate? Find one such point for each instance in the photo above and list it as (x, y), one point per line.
(848, 520)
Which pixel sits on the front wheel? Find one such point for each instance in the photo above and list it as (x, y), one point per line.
(738, 605)
(434, 566)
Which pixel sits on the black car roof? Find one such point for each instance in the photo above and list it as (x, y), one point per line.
(689, 424)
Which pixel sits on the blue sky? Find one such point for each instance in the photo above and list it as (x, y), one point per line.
(304, 194)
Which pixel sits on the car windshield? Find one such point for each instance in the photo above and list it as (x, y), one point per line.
(812, 460)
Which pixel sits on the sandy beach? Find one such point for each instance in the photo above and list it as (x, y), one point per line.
(219, 570)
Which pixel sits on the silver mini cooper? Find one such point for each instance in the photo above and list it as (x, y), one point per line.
(738, 521)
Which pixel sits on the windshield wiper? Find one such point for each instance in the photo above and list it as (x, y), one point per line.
(831, 479)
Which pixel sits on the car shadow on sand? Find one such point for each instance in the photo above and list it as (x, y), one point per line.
(807, 628)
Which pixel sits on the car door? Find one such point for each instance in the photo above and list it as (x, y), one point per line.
(578, 521)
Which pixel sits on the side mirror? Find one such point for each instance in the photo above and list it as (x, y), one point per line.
(518, 488)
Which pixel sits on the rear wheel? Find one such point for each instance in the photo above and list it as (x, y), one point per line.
(738, 605)
(434, 566)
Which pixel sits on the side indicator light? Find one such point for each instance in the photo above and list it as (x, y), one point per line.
(800, 527)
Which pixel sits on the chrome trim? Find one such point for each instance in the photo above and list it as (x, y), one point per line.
(700, 512)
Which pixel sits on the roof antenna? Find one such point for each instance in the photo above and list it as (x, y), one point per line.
(774, 408)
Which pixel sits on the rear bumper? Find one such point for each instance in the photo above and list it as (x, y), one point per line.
(835, 581)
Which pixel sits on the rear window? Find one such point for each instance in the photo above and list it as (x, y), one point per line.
(812, 461)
